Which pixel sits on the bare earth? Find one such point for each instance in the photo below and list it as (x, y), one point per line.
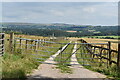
(50, 71)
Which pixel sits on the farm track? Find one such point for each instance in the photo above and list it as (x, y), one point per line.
(50, 71)
(73, 57)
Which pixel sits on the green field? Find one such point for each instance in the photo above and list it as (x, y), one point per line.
(115, 37)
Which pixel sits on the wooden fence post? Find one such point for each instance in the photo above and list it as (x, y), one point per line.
(3, 35)
(109, 52)
(118, 59)
(20, 43)
(26, 44)
(31, 44)
(11, 42)
(36, 45)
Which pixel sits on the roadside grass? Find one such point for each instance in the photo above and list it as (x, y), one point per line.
(63, 60)
(96, 64)
(17, 66)
(21, 63)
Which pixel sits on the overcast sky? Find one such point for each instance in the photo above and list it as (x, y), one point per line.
(83, 13)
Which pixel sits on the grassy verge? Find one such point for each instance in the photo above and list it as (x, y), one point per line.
(17, 66)
(63, 62)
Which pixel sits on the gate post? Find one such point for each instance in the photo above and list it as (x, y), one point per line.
(118, 59)
(26, 44)
(11, 42)
(20, 42)
(109, 52)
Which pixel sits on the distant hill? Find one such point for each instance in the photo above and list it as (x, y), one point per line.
(60, 29)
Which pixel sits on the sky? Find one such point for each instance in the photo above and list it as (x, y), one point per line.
(80, 13)
(60, 0)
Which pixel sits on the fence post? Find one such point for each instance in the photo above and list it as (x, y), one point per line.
(20, 43)
(36, 45)
(109, 52)
(11, 42)
(26, 43)
(118, 59)
(3, 35)
(31, 44)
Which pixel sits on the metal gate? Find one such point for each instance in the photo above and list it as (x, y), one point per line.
(65, 52)
(58, 52)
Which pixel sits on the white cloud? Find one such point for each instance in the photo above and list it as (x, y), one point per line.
(25, 18)
(89, 9)
(57, 13)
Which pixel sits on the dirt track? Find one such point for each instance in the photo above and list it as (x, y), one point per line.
(50, 71)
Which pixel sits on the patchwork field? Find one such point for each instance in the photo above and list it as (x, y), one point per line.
(93, 40)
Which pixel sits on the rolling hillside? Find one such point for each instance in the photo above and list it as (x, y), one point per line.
(60, 29)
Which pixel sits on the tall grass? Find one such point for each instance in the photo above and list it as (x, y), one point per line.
(17, 65)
